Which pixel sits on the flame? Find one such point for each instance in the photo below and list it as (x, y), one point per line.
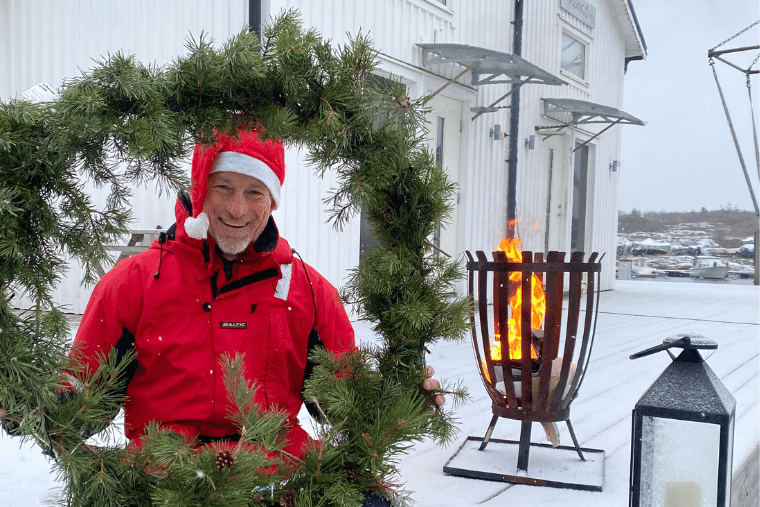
(511, 247)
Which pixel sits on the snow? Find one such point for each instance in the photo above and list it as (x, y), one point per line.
(635, 316)
(553, 465)
(707, 243)
(651, 244)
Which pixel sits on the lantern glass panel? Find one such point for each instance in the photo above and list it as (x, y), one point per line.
(679, 463)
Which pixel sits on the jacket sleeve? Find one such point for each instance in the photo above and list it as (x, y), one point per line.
(111, 317)
(333, 325)
(334, 331)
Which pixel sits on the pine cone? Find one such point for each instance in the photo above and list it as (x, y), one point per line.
(351, 476)
(224, 460)
(288, 498)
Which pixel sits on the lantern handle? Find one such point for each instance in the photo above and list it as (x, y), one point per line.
(681, 342)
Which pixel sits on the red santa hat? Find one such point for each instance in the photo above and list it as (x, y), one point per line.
(246, 154)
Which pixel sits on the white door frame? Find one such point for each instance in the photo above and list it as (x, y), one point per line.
(559, 174)
(556, 171)
(447, 112)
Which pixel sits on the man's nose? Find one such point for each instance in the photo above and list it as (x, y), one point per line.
(237, 205)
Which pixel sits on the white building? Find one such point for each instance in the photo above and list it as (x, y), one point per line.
(560, 182)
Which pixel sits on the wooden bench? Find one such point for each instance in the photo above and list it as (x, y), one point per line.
(132, 248)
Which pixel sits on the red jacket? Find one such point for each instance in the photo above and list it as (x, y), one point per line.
(181, 309)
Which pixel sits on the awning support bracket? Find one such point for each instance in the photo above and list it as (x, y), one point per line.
(515, 87)
(605, 129)
(453, 79)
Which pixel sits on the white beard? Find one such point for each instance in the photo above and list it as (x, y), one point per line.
(232, 246)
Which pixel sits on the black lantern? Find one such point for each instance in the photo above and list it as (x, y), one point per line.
(683, 432)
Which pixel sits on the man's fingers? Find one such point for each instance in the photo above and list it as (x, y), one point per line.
(431, 384)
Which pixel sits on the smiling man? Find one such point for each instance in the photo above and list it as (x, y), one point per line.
(221, 281)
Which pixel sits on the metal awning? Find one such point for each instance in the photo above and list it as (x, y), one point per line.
(487, 67)
(571, 112)
(578, 112)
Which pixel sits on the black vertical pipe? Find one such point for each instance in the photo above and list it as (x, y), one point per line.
(254, 16)
(514, 123)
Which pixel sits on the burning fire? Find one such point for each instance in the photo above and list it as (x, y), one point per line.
(511, 247)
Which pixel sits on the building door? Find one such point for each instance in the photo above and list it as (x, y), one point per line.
(556, 168)
(580, 199)
(445, 140)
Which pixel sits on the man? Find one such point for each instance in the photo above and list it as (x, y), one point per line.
(220, 281)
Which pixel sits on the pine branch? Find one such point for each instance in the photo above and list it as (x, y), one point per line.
(124, 124)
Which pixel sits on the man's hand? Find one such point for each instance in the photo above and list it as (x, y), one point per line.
(431, 384)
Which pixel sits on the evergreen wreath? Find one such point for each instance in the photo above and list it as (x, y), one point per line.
(123, 124)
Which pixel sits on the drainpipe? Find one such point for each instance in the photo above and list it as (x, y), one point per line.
(254, 16)
(514, 122)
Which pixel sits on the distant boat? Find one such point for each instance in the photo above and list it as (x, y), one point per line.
(640, 268)
(709, 267)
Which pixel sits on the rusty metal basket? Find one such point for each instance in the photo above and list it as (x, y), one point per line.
(540, 385)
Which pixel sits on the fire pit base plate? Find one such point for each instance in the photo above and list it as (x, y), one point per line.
(555, 467)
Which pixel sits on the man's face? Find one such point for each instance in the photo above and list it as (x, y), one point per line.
(238, 208)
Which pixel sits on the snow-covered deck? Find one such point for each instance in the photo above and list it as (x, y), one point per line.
(635, 316)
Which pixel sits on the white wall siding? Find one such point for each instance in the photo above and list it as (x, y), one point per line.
(544, 22)
(395, 26)
(52, 41)
(48, 41)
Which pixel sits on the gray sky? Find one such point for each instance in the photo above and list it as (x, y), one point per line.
(684, 158)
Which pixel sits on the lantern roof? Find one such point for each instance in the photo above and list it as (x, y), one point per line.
(688, 389)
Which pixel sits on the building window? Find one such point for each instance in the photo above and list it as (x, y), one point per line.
(446, 4)
(573, 57)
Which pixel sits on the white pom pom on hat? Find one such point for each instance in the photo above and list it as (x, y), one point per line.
(247, 155)
(197, 227)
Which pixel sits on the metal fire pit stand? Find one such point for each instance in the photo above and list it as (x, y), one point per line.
(539, 388)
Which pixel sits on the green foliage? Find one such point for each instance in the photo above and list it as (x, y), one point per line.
(29, 350)
(167, 468)
(124, 124)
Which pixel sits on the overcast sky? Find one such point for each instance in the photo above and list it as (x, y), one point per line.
(684, 158)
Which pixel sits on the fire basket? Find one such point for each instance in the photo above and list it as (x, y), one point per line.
(531, 365)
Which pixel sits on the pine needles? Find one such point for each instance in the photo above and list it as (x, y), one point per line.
(124, 124)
